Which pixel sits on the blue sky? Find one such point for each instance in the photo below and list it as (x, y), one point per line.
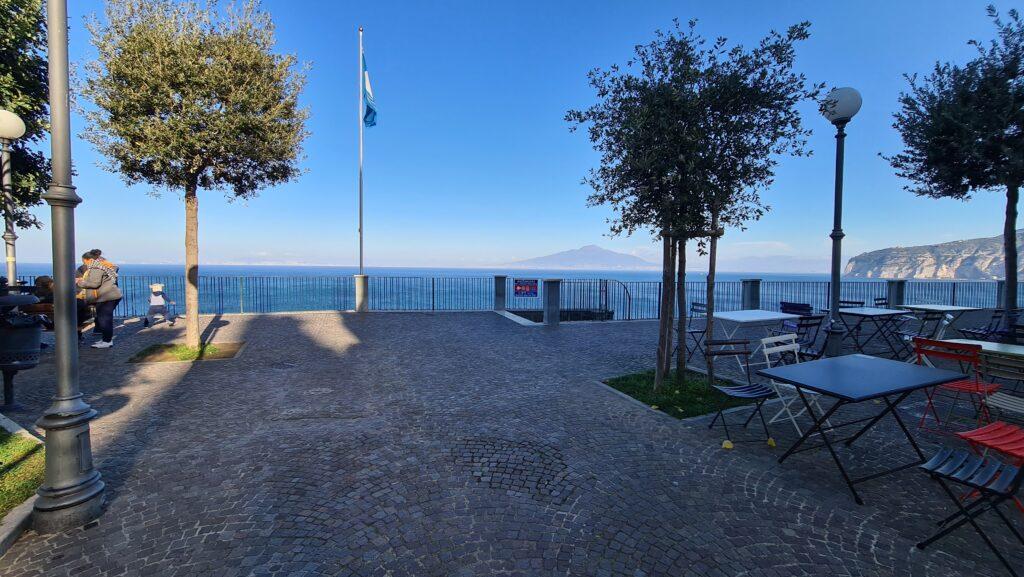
(472, 164)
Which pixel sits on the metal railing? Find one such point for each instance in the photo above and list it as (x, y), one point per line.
(601, 298)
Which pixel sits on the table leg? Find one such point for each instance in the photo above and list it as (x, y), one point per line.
(815, 425)
(828, 444)
(852, 332)
(899, 421)
(874, 420)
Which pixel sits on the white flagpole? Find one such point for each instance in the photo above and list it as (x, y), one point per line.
(362, 74)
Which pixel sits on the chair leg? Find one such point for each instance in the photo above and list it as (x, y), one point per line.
(1009, 525)
(952, 406)
(751, 417)
(764, 425)
(968, 517)
(930, 393)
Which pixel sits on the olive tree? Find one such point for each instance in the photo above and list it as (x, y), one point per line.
(689, 132)
(963, 131)
(189, 97)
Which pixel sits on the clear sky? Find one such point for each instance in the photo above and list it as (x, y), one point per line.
(472, 164)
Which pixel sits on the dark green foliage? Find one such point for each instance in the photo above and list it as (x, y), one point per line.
(963, 128)
(24, 91)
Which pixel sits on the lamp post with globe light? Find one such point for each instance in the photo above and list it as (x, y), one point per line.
(11, 129)
(839, 107)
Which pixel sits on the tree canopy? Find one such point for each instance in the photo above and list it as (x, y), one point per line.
(24, 91)
(188, 96)
(963, 129)
(689, 133)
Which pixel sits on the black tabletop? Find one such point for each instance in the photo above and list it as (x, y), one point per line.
(856, 378)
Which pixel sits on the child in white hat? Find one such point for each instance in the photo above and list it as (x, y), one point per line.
(159, 304)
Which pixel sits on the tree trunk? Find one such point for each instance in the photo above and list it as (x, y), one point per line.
(709, 331)
(671, 299)
(1010, 245)
(681, 300)
(664, 322)
(191, 267)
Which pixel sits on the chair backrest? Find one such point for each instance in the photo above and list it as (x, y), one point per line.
(808, 327)
(996, 321)
(961, 353)
(801, 309)
(850, 304)
(780, 349)
(931, 321)
(732, 348)
(1002, 367)
(882, 302)
(1016, 333)
(698, 309)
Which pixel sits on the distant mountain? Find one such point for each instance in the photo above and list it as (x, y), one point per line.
(586, 257)
(974, 259)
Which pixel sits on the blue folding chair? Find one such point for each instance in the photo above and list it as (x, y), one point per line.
(755, 392)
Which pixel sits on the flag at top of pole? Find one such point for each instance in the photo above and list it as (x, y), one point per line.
(369, 106)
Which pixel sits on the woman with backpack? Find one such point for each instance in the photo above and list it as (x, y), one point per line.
(99, 285)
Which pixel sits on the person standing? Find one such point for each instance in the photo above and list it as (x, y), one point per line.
(99, 283)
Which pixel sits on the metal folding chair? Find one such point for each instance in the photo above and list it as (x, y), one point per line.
(992, 482)
(785, 350)
(697, 311)
(968, 357)
(756, 392)
(806, 330)
(928, 326)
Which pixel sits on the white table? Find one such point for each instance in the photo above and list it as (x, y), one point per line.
(953, 310)
(735, 320)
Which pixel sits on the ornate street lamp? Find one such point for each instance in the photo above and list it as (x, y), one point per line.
(839, 107)
(11, 129)
(72, 492)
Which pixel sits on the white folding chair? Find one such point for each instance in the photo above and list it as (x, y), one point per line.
(784, 350)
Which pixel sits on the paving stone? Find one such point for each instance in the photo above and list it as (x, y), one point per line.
(415, 444)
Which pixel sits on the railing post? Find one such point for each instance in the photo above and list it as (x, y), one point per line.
(241, 295)
(552, 294)
(1000, 294)
(432, 303)
(750, 296)
(499, 291)
(362, 293)
(895, 292)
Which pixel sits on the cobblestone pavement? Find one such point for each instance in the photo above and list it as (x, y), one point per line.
(401, 444)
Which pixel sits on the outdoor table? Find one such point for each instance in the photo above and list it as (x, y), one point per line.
(884, 322)
(953, 310)
(988, 347)
(855, 379)
(751, 318)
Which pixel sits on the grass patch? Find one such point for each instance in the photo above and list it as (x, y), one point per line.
(163, 353)
(22, 467)
(689, 397)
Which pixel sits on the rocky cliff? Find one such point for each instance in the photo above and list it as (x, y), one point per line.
(977, 259)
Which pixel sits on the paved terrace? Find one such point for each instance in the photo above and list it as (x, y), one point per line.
(401, 444)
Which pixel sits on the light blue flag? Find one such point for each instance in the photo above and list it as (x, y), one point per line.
(370, 112)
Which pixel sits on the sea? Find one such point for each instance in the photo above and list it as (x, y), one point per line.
(622, 294)
(36, 269)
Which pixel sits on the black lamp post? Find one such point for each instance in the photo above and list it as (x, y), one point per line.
(11, 129)
(72, 492)
(839, 108)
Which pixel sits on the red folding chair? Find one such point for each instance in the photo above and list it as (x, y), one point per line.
(973, 387)
(1002, 438)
